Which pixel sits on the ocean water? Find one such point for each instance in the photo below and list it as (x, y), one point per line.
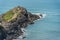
(47, 28)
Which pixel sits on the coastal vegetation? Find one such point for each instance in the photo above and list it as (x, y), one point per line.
(8, 15)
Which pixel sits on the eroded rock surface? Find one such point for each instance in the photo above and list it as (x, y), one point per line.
(11, 29)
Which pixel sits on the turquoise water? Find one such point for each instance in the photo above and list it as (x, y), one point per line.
(44, 29)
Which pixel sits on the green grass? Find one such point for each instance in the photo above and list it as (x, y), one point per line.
(8, 15)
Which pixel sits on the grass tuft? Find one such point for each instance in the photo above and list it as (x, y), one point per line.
(8, 15)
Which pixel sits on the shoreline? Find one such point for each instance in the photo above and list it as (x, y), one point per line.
(16, 28)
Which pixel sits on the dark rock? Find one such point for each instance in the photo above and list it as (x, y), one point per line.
(3, 33)
(13, 28)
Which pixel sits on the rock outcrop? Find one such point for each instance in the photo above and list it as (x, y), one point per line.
(10, 26)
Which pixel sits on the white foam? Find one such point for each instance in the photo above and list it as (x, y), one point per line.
(23, 29)
(39, 14)
(24, 33)
(44, 15)
(20, 37)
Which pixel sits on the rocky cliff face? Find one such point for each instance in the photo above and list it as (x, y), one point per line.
(12, 21)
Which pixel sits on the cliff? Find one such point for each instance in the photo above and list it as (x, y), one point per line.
(12, 21)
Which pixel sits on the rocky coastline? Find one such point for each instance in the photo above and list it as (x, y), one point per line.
(12, 28)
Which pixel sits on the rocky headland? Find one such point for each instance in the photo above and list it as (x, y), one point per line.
(12, 22)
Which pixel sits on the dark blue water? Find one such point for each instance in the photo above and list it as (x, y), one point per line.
(45, 29)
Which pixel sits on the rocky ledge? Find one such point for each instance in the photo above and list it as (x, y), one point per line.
(12, 22)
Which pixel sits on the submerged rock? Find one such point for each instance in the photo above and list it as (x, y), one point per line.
(12, 21)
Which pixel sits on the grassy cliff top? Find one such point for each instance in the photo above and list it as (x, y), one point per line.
(8, 15)
(12, 14)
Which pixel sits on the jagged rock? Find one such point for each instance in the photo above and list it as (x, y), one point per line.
(3, 33)
(12, 27)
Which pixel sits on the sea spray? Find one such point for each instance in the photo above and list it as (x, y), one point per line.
(41, 17)
(44, 15)
(23, 34)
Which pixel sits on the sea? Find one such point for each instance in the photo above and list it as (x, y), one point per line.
(47, 28)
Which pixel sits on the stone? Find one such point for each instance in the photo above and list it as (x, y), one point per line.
(11, 29)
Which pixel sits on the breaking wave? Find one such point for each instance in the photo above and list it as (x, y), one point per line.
(43, 15)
